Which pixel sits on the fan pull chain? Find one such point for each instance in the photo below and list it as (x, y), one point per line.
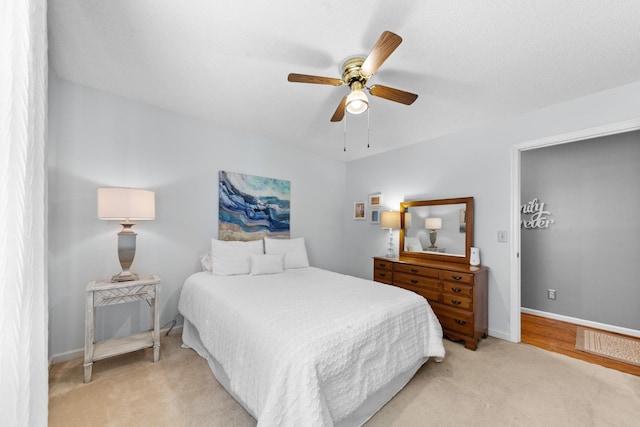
(345, 132)
(368, 111)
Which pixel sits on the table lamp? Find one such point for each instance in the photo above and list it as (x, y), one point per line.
(390, 220)
(126, 205)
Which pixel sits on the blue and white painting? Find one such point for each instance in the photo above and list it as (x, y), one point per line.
(252, 207)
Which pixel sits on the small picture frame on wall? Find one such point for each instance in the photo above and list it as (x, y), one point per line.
(374, 216)
(359, 211)
(375, 200)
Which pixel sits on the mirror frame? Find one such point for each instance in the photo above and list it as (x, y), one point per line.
(435, 256)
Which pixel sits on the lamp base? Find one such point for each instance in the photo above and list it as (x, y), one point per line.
(432, 239)
(126, 253)
(124, 277)
(390, 253)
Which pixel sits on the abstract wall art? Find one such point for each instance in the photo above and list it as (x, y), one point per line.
(252, 207)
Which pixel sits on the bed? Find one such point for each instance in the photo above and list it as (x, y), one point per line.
(305, 346)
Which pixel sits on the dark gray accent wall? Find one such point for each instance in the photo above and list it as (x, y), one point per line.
(590, 254)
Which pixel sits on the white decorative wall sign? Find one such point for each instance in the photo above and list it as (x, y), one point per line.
(539, 217)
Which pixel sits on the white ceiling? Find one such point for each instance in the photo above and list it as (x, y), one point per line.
(227, 61)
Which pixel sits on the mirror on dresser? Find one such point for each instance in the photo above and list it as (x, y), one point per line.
(439, 230)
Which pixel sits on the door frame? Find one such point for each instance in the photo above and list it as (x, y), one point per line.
(516, 151)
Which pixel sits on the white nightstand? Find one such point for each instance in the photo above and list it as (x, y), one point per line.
(105, 292)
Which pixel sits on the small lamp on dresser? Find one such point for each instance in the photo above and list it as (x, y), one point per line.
(126, 205)
(390, 220)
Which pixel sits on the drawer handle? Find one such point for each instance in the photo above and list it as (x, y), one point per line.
(456, 289)
(414, 281)
(414, 270)
(457, 277)
(460, 322)
(382, 274)
(382, 264)
(455, 302)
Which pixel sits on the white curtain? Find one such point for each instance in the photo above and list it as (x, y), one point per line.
(23, 281)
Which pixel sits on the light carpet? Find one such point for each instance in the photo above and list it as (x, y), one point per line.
(500, 384)
(608, 345)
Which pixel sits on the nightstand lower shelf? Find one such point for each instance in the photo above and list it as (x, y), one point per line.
(117, 346)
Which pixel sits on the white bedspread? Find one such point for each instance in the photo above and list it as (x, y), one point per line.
(308, 346)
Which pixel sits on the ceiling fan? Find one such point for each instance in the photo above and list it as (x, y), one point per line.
(356, 72)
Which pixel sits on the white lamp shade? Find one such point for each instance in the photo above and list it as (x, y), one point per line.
(390, 219)
(126, 204)
(433, 223)
(357, 102)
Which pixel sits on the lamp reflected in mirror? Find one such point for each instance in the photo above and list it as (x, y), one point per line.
(433, 224)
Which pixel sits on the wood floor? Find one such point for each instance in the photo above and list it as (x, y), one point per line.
(560, 337)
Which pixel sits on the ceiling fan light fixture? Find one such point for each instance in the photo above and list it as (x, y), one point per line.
(357, 102)
(356, 72)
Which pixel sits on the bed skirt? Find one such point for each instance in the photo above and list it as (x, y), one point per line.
(191, 339)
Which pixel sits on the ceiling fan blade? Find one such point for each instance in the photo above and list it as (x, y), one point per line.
(305, 78)
(386, 44)
(392, 94)
(339, 114)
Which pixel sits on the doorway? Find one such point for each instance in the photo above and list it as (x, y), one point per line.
(516, 191)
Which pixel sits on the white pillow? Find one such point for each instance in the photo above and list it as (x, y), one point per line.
(412, 244)
(267, 264)
(233, 257)
(294, 251)
(415, 248)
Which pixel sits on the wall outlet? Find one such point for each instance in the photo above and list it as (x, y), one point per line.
(502, 236)
(551, 293)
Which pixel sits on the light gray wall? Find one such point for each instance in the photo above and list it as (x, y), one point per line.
(97, 139)
(475, 163)
(589, 254)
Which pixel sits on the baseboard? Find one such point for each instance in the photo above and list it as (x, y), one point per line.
(499, 334)
(79, 353)
(582, 322)
(68, 355)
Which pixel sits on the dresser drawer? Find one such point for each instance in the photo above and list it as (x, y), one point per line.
(416, 269)
(384, 276)
(382, 265)
(458, 321)
(456, 277)
(459, 289)
(457, 301)
(417, 281)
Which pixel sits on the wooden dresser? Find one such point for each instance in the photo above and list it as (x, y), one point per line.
(456, 292)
